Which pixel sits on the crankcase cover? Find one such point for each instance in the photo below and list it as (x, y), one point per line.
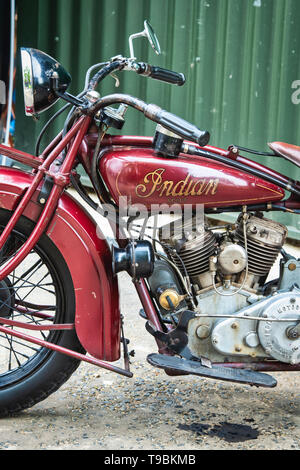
(274, 336)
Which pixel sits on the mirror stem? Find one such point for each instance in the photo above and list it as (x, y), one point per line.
(134, 36)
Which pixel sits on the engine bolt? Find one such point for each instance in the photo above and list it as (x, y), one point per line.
(214, 339)
(203, 331)
(292, 333)
(234, 325)
(252, 340)
(238, 349)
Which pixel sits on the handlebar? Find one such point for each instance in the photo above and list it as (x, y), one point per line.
(156, 114)
(182, 128)
(159, 73)
(142, 68)
(102, 73)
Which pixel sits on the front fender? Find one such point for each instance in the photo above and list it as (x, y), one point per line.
(88, 256)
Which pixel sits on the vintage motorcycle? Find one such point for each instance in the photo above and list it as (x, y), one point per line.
(204, 287)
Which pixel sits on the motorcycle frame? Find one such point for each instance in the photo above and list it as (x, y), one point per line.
(79, 142)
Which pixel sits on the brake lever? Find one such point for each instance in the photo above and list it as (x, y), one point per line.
(117, 81)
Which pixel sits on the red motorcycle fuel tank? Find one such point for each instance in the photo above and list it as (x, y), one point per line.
(145, 178)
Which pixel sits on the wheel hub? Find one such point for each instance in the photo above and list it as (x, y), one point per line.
(7, 298)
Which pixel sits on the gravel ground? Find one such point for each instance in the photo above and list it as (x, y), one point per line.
(97, 409)
(100, 410)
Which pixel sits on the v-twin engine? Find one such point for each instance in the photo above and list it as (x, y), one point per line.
(225, 274)
(264, 239)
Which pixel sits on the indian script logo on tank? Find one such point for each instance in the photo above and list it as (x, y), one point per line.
(154, 182)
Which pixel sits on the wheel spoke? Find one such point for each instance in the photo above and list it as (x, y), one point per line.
(36, 295)
(25, 287)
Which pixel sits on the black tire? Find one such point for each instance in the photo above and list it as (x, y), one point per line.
(30, 373)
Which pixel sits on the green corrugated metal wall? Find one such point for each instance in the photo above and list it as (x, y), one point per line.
(240, 58)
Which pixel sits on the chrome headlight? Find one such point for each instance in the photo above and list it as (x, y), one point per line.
(38, 69)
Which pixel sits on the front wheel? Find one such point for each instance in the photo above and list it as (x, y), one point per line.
(39, 291)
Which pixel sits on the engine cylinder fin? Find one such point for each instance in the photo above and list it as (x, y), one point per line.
(195, 254)
(264, 241)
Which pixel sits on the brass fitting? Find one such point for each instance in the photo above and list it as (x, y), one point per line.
(169, 299)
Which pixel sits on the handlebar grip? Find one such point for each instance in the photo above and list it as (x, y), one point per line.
(183, 128)
(166, 75)
(158, 73)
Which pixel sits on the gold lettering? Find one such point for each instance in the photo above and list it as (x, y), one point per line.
(183, 183)
(156, 180)
(194, 192)
(211, 187)
(153, 182)
(187, 191)
(166, 186)
(215, 184)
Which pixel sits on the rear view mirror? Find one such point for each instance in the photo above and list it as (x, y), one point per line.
(149, 33)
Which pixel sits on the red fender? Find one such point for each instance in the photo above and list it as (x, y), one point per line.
(88, 256)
